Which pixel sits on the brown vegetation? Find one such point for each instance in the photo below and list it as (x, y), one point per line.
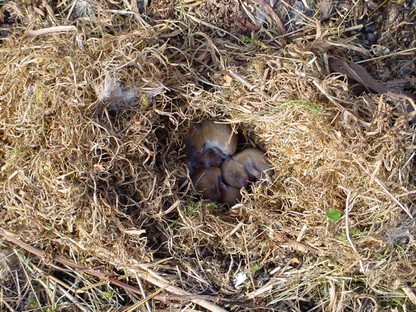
(96, 209)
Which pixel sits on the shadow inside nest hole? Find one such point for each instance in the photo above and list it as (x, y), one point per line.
(133, 185)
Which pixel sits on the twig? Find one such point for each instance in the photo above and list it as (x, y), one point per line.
(247, 84)
(348, 205)
(387, 55)
(145, 300)
(49, 30)
(241, 80)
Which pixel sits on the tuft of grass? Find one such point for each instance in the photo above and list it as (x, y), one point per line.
(354, 232)
(314, 107)
(248, 40)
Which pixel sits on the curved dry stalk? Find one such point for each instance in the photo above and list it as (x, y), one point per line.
(178, 294)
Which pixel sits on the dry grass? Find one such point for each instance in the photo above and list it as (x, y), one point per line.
(96, 208)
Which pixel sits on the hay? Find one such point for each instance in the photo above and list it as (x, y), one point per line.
(96, 194)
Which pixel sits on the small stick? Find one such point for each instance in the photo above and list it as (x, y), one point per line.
(247, 84)
(49, 30)
(347, 230)
(241, 80)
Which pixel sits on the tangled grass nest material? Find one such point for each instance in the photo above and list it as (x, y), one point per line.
(96, 195)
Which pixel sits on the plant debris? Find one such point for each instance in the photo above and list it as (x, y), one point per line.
(97, 210)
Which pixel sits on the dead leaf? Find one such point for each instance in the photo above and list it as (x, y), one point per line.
(357, 73)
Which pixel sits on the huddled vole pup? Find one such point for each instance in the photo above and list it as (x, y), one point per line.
(216, 171)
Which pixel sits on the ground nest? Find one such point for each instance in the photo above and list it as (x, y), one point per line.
(97, 208)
